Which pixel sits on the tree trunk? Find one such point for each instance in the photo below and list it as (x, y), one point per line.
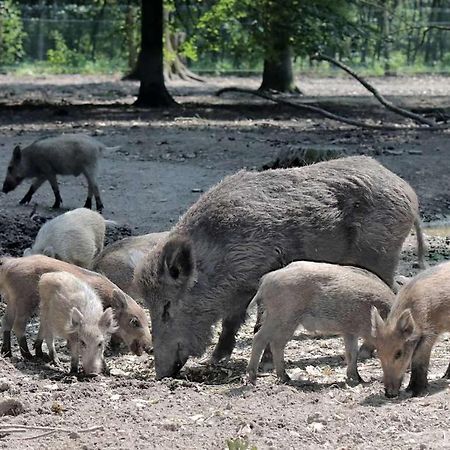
(152, 90)
(277, 73)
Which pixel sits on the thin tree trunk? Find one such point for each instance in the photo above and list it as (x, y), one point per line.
(152, 90)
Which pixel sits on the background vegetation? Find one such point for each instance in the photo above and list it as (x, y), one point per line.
(228, 36)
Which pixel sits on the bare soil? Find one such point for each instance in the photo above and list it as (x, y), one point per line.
(167, 158)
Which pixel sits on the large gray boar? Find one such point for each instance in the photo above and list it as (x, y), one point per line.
(322, 297)
(119, 260)
(350, 211)
(71, 309)
(19, 278)
(76, 237)
(44, 159)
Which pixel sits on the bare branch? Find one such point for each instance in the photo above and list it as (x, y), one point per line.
(432, 27)
(328, 114)
(9, 429)
(396, 109)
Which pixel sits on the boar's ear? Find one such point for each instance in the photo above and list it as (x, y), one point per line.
(177, 261)
(377, 322)
(119, 299)
(107, 323)
(27, 252)
(406, 325)
(76, 320)
(17, 154)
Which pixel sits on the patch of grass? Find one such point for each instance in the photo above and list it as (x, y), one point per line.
(240, 444)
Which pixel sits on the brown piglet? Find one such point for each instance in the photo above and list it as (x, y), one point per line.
(19, 278)
(322, 297)
(420, 313)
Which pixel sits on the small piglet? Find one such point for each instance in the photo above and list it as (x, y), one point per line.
(75, 237)
(44, 159)
(70, 309)
(322, 297)
(420, 313)
(119, 260)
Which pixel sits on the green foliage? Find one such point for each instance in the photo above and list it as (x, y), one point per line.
(11, 33)
(60, 57)
(239, 444)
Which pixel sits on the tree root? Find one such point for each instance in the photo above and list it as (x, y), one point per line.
(330, 115)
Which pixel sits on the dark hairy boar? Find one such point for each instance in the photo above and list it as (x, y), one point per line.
(349, 211)
(19, 278)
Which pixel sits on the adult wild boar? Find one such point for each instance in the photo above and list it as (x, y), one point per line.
(349, 211)
(44, 159)
(19, 278)
(118, 260)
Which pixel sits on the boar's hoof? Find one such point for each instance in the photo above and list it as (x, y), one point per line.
(100, 208)
(390, 394)
(25, 201)
(250, 378)
(285, 378)
(417, 388)
(354, 380)
(56, 205)
(88, 204)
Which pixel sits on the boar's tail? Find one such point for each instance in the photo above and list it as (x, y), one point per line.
(255, 300)
(421, 248)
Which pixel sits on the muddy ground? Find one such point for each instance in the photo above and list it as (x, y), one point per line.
(167, 158)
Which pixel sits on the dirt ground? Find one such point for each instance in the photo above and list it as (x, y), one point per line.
(167, 158)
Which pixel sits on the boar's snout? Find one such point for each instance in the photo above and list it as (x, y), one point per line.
(6, 188)
(390, 393)
(164, 368)
(137, 347)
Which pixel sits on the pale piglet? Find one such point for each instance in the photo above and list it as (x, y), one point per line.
(75, 237)
(19, 278)
(119, 260)
(71, 309)
(421, 312)
(322, 297)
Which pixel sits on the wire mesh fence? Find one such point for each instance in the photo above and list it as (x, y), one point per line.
(414, 36)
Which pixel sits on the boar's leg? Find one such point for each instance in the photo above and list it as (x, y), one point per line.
(38, 342)
(227, 339)
(418, 383)
(54, 184)
(267, 358)
(73, 344)
(52, 351)
(7, 324)
(447, 373)
(93, 189)
(351, 355)
(37, 183)
(19, 330)
(105, 368)
(260, 340)
(277, 345)
(6, 344)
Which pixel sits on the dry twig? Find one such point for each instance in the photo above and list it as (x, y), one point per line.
(12, 428)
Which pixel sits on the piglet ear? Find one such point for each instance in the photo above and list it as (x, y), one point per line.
(17, 153)
(406, 325)
(76, 320)
(377, 322)
(119, 299)
(107, 323)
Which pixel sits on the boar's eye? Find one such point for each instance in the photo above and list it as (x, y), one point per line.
(398, 354)
(165, 314)
(82, 344)
(134, 322)
(100, 344)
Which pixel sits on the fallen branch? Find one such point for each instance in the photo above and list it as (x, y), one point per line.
(396, 109)
(10, 429)
(432, 27)
(330, 115)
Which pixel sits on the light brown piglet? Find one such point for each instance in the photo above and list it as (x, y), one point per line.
(420, 313)
(19, 279)
(71, 309)
(322, 297)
